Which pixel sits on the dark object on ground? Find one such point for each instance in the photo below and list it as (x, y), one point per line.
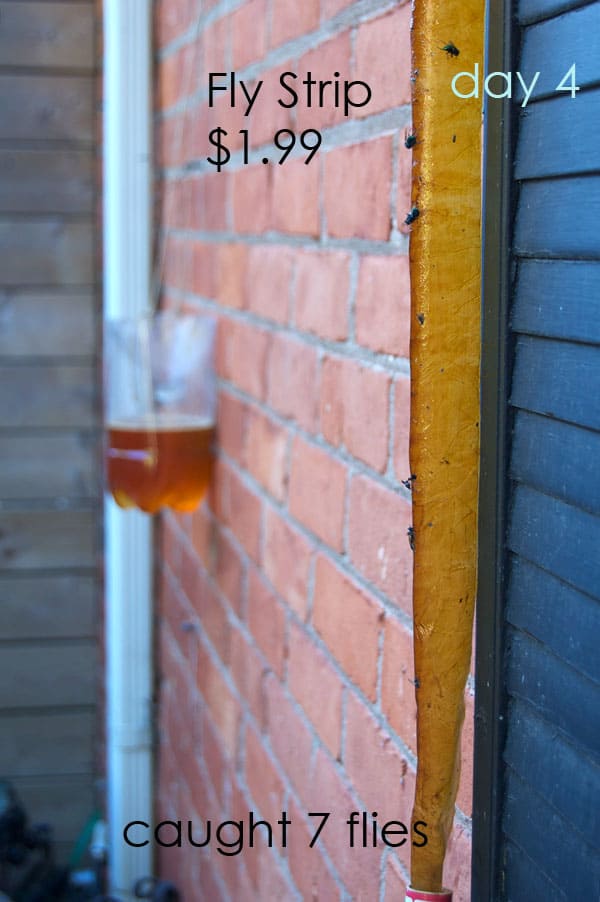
(28, 872)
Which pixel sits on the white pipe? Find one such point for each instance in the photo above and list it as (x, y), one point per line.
(128, 534)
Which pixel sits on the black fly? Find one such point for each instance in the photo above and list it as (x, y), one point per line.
(450, 49)
(411, 537)
(410, 139)
(410, 218)
(407, 483)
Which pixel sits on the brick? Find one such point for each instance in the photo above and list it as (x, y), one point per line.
(268, 282)
(325, 59)
(230, 278)
(185, 760)
(223, 706)
(248, 33)
(177, 676)
(354, 409)
(357, 190)
(273, 883)
(238, 508)
(239, 806)
(213, 618)
(252, 199)
(213, 759)
(202, 536)
(383, 58)
(397, 682)
(168, 779)
(330, 8)
(229, 570)
(174, 609)
(184, 520)
(262, 780)
(208, 886)
(169, 149)
(317, 492)
(208, 202)
(359, 868)
(267, 453)
(395, 884)
(198, 269)
(229, 117)
(378, 543)
(293, 380)
(170, 79)
(200, 794)
(290, 19)
(232, 417)
(248, 672)
(387, 784)
(242, 356)
(171, 864)
(291, 740)
(295, 204)
(349, 622)
(307, 866)
(464, 798)
(180, 266)
(401, 428)
(266, 622)
(170, 542)
(457, 866)
(233, 870)
(383, 305)
(199, 122)
(189, 58)
(189, 876)
(189, 575)
(178, 212)
(215, 45)
(322, 287)
(286, 561)
(171, 18)
(316, 686)
(268, 116)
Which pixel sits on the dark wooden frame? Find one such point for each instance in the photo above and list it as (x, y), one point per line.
(494, 424)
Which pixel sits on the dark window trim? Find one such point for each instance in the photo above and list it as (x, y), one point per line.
(494, 425)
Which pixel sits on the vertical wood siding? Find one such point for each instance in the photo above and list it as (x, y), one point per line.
(49, 497)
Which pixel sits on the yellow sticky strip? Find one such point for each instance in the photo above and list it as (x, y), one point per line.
(445, 249)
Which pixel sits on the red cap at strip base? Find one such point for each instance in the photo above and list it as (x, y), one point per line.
(416, 895)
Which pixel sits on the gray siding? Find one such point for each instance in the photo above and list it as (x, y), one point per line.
(551, 757)
(50, 514)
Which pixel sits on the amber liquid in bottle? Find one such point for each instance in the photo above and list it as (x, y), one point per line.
(153, 463)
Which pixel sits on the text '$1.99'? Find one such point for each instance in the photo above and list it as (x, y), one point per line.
(284, 140)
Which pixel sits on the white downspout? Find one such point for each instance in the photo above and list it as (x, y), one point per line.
(128, 534)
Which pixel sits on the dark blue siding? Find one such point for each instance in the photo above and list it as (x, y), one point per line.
(532, 10)
(558, 299)
(558, 379)
(544, 758)
(546, 608)
(558, 855)
(559, 218)
(551, 792)
(551, 47)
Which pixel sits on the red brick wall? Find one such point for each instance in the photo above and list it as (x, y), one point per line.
(284, 624)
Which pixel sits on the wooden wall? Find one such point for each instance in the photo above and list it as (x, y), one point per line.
(50, 526)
